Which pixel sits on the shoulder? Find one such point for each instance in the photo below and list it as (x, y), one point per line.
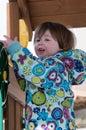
(71, 53)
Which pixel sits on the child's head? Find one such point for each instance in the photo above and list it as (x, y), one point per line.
(59, 32)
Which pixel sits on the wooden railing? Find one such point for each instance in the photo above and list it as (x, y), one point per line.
(13, 112)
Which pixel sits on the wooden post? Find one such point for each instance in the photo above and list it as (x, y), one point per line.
(24, 10)
(12, 19)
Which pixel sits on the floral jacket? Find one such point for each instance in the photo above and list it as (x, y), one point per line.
(49, 97)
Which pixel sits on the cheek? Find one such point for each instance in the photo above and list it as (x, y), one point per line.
(53, 49)
(35, 50)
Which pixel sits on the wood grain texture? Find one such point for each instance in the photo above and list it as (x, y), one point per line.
(71, 12)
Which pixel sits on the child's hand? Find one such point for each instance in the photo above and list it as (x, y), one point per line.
(8, 41)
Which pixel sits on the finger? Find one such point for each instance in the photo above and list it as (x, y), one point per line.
(5, 36)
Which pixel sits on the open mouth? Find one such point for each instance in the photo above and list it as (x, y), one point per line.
(41, 49)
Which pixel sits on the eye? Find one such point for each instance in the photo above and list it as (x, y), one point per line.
(37, 40)
(47, 39)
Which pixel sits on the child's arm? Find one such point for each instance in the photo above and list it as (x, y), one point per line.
(25, 64)
(30, 68)
(42, 73)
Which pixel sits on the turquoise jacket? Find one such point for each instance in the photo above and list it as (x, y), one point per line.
(49, 97)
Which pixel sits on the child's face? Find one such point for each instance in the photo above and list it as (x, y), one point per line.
(46, 45)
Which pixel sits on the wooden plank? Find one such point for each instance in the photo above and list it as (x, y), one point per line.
(14, 89)
(74, 20)
(12, 19)
(10, 120)
(13, 114)
(68, 12)
(55, 7)
(18, 115)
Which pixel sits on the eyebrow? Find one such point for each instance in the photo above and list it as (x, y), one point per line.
(47, 35)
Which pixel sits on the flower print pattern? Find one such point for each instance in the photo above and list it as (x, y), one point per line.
(36, 110)
(28, 112)
(51, 125)
(38, 98)
(47, 84)
(38, 70)
(51, 92)
(28, 96)
(67, 53)
(60, 93)
(67, 102)
(52, 75)
(21, 59)
(57, 113)
(36, 80)
(27, 70)
(69, 61)
(42, 115)
(61, 67)
(49, 97)
(58, 80)
(78, 66)
(50, 61)
(66, 113)
(53, 99)
(32, 124)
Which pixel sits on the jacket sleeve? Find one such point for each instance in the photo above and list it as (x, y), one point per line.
(39, 72)
(75, 61)
(33, 69)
